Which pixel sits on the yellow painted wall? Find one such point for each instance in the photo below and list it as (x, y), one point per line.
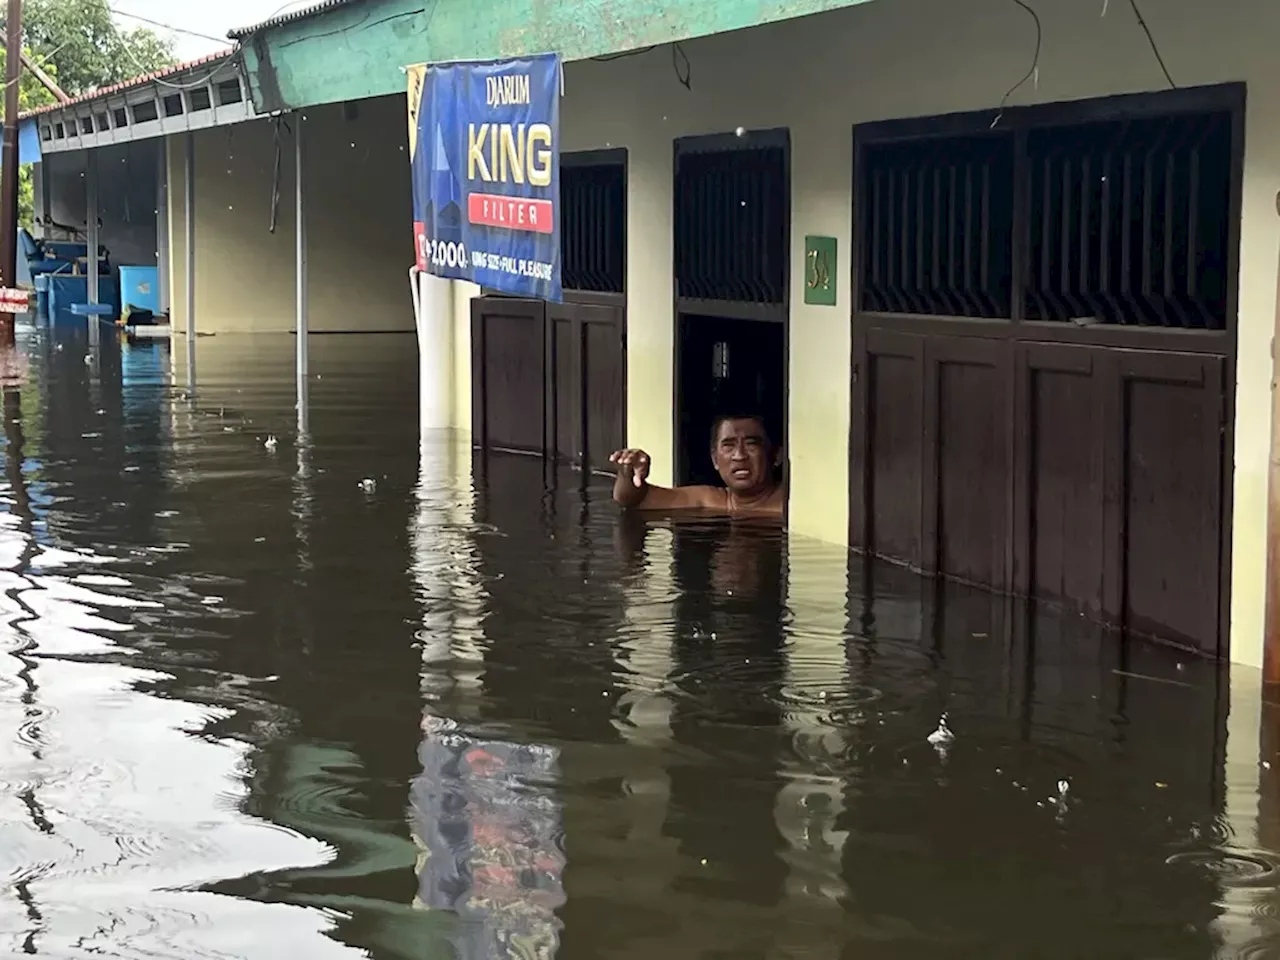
(359, 223)
(821, 75)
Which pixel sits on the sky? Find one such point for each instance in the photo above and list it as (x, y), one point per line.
(213, 18)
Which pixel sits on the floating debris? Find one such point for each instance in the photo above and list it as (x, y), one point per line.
(271, 442)
(368, 485)
(1060, 801)
(943, 735)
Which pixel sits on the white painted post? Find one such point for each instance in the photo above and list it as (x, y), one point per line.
(300, 264)
(189, 227)
(162, 226)
(91, 222)
(432, 314)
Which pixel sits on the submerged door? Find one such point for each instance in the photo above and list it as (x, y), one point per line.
(1044, 347)
(508, 374)
(550, 378)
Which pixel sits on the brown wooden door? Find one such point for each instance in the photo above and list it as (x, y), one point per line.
(1164, 469)
(549, 378)
(1088, 476)
(588, 376)
(508, 374)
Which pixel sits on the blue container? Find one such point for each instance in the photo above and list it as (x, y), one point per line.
(41, 281)
(140, 288)
(66, 289)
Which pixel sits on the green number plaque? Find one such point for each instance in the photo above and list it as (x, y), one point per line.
(820, 271)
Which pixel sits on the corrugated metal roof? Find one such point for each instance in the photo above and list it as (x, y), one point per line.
(311, 11)
(134, 82)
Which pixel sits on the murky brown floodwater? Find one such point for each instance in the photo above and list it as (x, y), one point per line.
(248, 709)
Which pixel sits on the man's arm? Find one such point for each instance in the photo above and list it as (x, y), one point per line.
(632, 490)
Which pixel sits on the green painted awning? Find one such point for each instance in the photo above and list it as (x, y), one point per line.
(343, 50)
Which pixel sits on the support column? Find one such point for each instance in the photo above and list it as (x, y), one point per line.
(433, 317)
(300, 264)
(189, 226)
(163, 291)
(10, 157)
(92, 233)
(94, 238)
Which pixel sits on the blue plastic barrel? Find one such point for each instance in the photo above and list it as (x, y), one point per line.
(140, 288)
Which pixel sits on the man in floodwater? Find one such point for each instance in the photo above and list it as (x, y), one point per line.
(743, 455)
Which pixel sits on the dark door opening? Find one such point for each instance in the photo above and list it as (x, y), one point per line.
(732, 217)
(726, 367)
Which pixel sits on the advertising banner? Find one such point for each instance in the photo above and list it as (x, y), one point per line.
(484, 139)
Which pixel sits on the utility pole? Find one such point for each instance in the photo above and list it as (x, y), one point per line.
(9, 161)
(47, 81)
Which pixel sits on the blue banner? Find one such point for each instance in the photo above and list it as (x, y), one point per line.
(485, 143)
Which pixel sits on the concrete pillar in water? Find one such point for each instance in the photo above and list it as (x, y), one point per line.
(300, 270)
(91, 222)
(433, 317)
(189, 227)
(93, 238)
(163, 288)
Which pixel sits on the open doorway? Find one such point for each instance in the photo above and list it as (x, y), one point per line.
(732, 218)
(726, 367)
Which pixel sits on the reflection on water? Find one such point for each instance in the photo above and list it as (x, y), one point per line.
(253, 706)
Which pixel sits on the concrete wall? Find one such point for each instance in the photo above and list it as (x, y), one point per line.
(126, 197)
(819, 76)
(127, 201)
(64, 174)
(359, 222)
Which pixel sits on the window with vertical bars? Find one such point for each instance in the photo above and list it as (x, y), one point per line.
(1128, 222)
(732, 210)
(593, 227)
(1125, 222)
(938, 225)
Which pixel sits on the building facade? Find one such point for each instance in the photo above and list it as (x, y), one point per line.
(1003, 278)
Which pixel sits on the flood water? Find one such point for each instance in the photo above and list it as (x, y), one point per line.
(251, 707)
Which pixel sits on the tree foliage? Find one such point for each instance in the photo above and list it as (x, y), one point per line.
(78, 43)
(86, 46)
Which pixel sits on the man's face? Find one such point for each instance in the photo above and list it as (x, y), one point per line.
(742, 456)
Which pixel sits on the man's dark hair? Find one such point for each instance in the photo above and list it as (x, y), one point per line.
(723, 418)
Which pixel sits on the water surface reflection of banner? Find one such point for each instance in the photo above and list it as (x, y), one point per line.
(484, 142)
(489, 828)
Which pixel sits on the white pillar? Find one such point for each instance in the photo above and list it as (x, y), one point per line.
(300, 269)
(189, 227)
(91, 222)
(433, 317)
(162, 226)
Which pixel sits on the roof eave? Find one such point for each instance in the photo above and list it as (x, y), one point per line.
(323, 6)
